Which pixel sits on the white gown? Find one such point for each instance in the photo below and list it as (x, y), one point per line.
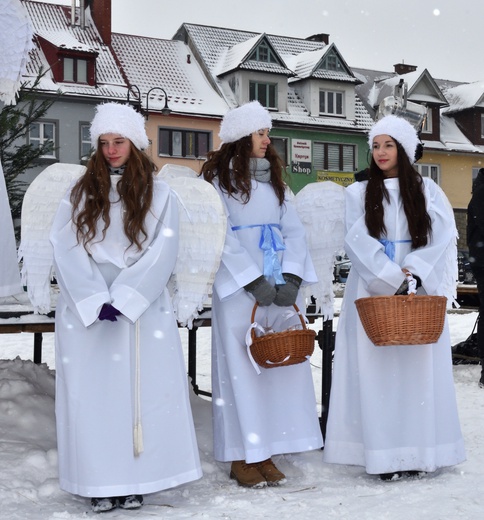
(96, 376)
(392, 408)
(257, 416)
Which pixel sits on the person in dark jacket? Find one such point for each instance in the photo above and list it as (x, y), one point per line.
(475, 242)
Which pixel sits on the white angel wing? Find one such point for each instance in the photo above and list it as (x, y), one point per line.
(39, 207)
(202, 235)
(450, 276)
(321, 208)
(15, 41)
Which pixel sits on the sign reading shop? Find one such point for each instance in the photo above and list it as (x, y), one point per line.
(301, 156)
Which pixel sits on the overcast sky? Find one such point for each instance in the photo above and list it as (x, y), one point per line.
(444, 36)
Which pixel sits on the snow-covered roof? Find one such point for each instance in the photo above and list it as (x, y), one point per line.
(53, 22)
(169, 64)
(307, 65)
(452, 139)
(465, 96)
(220, 48)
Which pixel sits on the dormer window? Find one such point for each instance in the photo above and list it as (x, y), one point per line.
(331, 103)
(264, 54)
(332, 62)
(264, 93)
(75, 70)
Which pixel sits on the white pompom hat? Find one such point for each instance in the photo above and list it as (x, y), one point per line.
(242, 121)
(114, 118)
(400, 130)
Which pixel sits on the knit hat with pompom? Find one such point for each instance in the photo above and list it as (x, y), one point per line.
(114, 118)
(400, 130)
(242, 121)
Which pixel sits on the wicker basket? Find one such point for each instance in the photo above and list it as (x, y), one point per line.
(402, 320)
(281, 349)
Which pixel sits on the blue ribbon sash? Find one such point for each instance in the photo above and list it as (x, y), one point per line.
(269, 243)
(389, 246)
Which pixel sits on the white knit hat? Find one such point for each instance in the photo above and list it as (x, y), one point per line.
(114, 118)
(242, 121)
(401, 130)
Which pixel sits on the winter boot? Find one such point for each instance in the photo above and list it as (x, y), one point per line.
(391, 477)
(268, 470)
(247, 475)
(101, 505)
(130, 502)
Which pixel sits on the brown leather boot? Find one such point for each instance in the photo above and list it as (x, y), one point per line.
(268, 470)
(247, 475)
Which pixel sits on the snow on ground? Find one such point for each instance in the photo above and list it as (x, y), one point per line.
(28, 458)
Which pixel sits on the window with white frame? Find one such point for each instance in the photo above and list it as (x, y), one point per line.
(280, 144)
(264, 93)
(41, 133)
(429, 170)
(84, 141)
(331, 103)
(427, 127)
(334, 157)
(177, 142)
(75, 70)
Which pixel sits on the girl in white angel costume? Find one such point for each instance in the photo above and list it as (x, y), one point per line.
(265, 259)
(393, 409)
(124, 423)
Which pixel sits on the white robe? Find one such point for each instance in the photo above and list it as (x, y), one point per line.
(96, 360)
(257, 416)
(392, 408)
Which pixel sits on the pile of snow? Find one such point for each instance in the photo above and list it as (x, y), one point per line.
(28, 458)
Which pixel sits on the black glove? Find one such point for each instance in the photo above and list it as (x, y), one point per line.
(262, 291)
(287, 293)
(403, 289)
(108, 312)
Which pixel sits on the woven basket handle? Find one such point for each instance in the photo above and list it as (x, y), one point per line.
(303, 323)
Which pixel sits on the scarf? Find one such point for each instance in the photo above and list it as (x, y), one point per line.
(116, 171)
(260, 169)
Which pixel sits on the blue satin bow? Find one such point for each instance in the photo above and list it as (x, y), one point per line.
(389, 246)
(270, 243)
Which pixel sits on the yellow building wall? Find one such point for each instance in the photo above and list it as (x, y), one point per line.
(188, 123)
(455, 174)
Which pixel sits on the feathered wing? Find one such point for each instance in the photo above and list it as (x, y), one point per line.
(450, 276)
(321, 208)
(15, 42)
(202, 235)
(39, 207)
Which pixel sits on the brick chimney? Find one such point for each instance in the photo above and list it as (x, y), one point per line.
(101, 14)
(321, 37)
(403, 68)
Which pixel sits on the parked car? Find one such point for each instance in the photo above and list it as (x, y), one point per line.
(342, 268)
(466, 275)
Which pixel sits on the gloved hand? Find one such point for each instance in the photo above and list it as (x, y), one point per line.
(287, 293)
(108, 312)
(262, 291)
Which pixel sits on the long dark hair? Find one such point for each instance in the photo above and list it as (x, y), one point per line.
(412, 193)
(217, 165)
(90, 197)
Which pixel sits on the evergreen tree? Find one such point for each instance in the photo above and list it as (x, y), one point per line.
(16, 154)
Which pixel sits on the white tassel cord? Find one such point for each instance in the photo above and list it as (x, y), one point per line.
(138, 429)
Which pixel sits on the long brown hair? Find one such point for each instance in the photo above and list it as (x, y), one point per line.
(239, 183)
(90, 197)
(412, 193)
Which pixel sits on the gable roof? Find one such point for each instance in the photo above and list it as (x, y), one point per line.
(238, 57)
(308, 65)
(53, 23)
(169, 64)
